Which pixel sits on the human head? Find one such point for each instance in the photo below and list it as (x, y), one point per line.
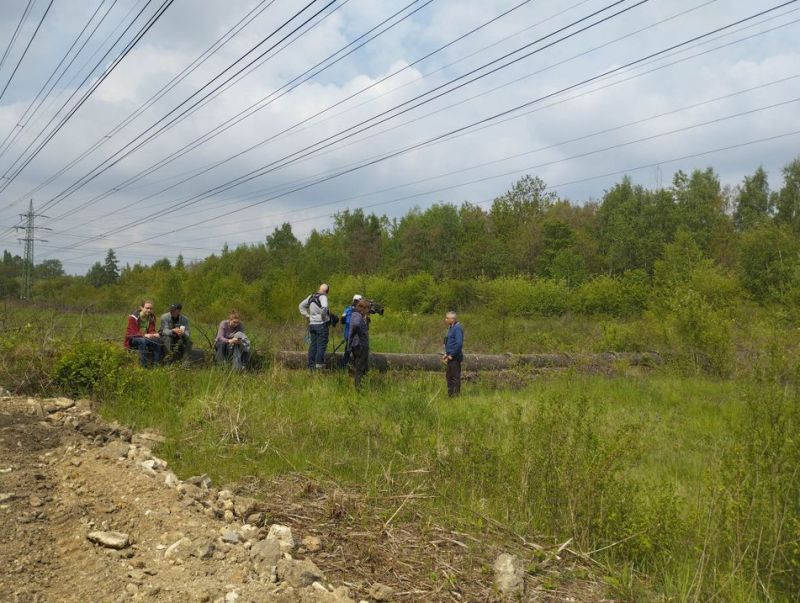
(357, 298)
(146, 307)
(233, 318)
(323, 288)
(450, 318)
(362, 307)
(175, 310)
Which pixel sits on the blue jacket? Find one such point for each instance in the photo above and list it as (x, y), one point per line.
(346, 315)
(454, 342)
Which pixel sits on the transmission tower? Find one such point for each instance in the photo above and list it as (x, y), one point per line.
(29, 239)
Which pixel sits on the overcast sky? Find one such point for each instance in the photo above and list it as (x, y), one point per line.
(745, 78)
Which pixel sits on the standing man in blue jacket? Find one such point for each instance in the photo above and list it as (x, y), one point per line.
(453, 353)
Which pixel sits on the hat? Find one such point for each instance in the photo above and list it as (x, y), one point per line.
(357, 297)
(177, 306)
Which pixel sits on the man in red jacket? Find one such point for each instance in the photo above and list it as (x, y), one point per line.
(142, 334)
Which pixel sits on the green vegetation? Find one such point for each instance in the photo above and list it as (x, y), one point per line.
(681, 483)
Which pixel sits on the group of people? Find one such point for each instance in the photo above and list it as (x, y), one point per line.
(356, 320)
(172, 340)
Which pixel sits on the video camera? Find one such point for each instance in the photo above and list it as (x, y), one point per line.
(375, 307)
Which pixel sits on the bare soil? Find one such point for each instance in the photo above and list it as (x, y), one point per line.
(64, 474)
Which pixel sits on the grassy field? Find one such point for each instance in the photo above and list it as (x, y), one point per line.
(681, 487)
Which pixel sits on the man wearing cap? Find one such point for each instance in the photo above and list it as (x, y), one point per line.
(175, 334)
(346, 315)
(314, 308)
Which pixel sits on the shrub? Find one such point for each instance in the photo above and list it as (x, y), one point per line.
(92, 369)
(611, 296)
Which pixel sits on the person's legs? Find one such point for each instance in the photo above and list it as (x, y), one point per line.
(186, 352)
(168, 347)
(322, 346)
(454, 378)
(221, 352)
(155, 346)
(360, 366)
(345, 357)
(140, 343)
(312, 346)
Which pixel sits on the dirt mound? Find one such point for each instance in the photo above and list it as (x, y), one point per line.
(89, 513)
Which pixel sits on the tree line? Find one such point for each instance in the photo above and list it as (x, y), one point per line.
(748, 234)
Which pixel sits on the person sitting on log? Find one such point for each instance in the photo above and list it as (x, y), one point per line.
(232, 345)
(175, 334)
(141, 334)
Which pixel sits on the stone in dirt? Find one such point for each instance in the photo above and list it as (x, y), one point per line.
(111, 540)
(231, 537)
(380, 592)
(204, 551)
(7, 496)
(509, 575)
(299, 574)
(179, 549)
(312, 544)
(283, 534)
(267, 552)
(248, 532)
(201, 481)
(57, 404)
(115, 450)
(148, 438)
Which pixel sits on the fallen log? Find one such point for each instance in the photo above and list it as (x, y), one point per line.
(482, 362)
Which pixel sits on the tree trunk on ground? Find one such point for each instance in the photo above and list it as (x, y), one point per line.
(485, 362)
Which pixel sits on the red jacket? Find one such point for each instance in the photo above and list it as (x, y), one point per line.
(133, 327)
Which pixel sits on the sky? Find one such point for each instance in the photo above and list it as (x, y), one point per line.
(227, 119)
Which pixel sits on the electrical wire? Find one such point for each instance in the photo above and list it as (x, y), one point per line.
(25, 51)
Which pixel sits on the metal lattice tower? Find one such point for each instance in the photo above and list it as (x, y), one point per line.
(29, 239)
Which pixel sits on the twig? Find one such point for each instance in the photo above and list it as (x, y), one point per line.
(402, 504)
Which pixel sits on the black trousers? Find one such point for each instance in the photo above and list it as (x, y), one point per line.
(360, 359)
(453, 374)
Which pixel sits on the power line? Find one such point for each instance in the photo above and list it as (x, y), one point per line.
(188, 70)
(13, 39)
(348, 132)
(148, 133)
(25, 51)
(462, 128)
(145, 28)
(17, 129)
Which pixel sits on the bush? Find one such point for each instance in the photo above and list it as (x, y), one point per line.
(93, 369)
(611, 296)
(517, 296)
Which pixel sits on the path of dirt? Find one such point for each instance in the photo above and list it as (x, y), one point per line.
(69, 482)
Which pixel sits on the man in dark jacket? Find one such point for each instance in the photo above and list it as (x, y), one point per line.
(346, 318)
(453, 354)
(175, 334)
(358, 341)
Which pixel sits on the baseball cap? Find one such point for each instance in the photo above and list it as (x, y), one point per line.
(177, 306)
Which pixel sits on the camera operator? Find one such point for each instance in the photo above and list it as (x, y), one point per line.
(358, 340)
(346, 317)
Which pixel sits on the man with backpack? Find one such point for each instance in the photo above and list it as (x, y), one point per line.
(315, 309)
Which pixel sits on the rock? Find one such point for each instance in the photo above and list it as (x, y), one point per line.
(179, 549)
(35, 501)
(115, 450)
(244, 506)
(191, 491)
(93, 429)
(224, 495)
(299, 574)
(148, 438)
(283, 534)
(204, 551)
(201, 481)
(509, 575)
(231, 537)
(248, 532)
(7, 496)
(57, 404)
(171, 480)
(231, 597)
(228, 517)
(380, 592)
(256, 519)
(111, 540)
(266, 552)
(312, 544)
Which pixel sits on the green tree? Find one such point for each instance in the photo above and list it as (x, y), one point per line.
(701, 206)
(754, 203)
(111, 268)
(769, 256)
(788, 201)
(49, 269)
